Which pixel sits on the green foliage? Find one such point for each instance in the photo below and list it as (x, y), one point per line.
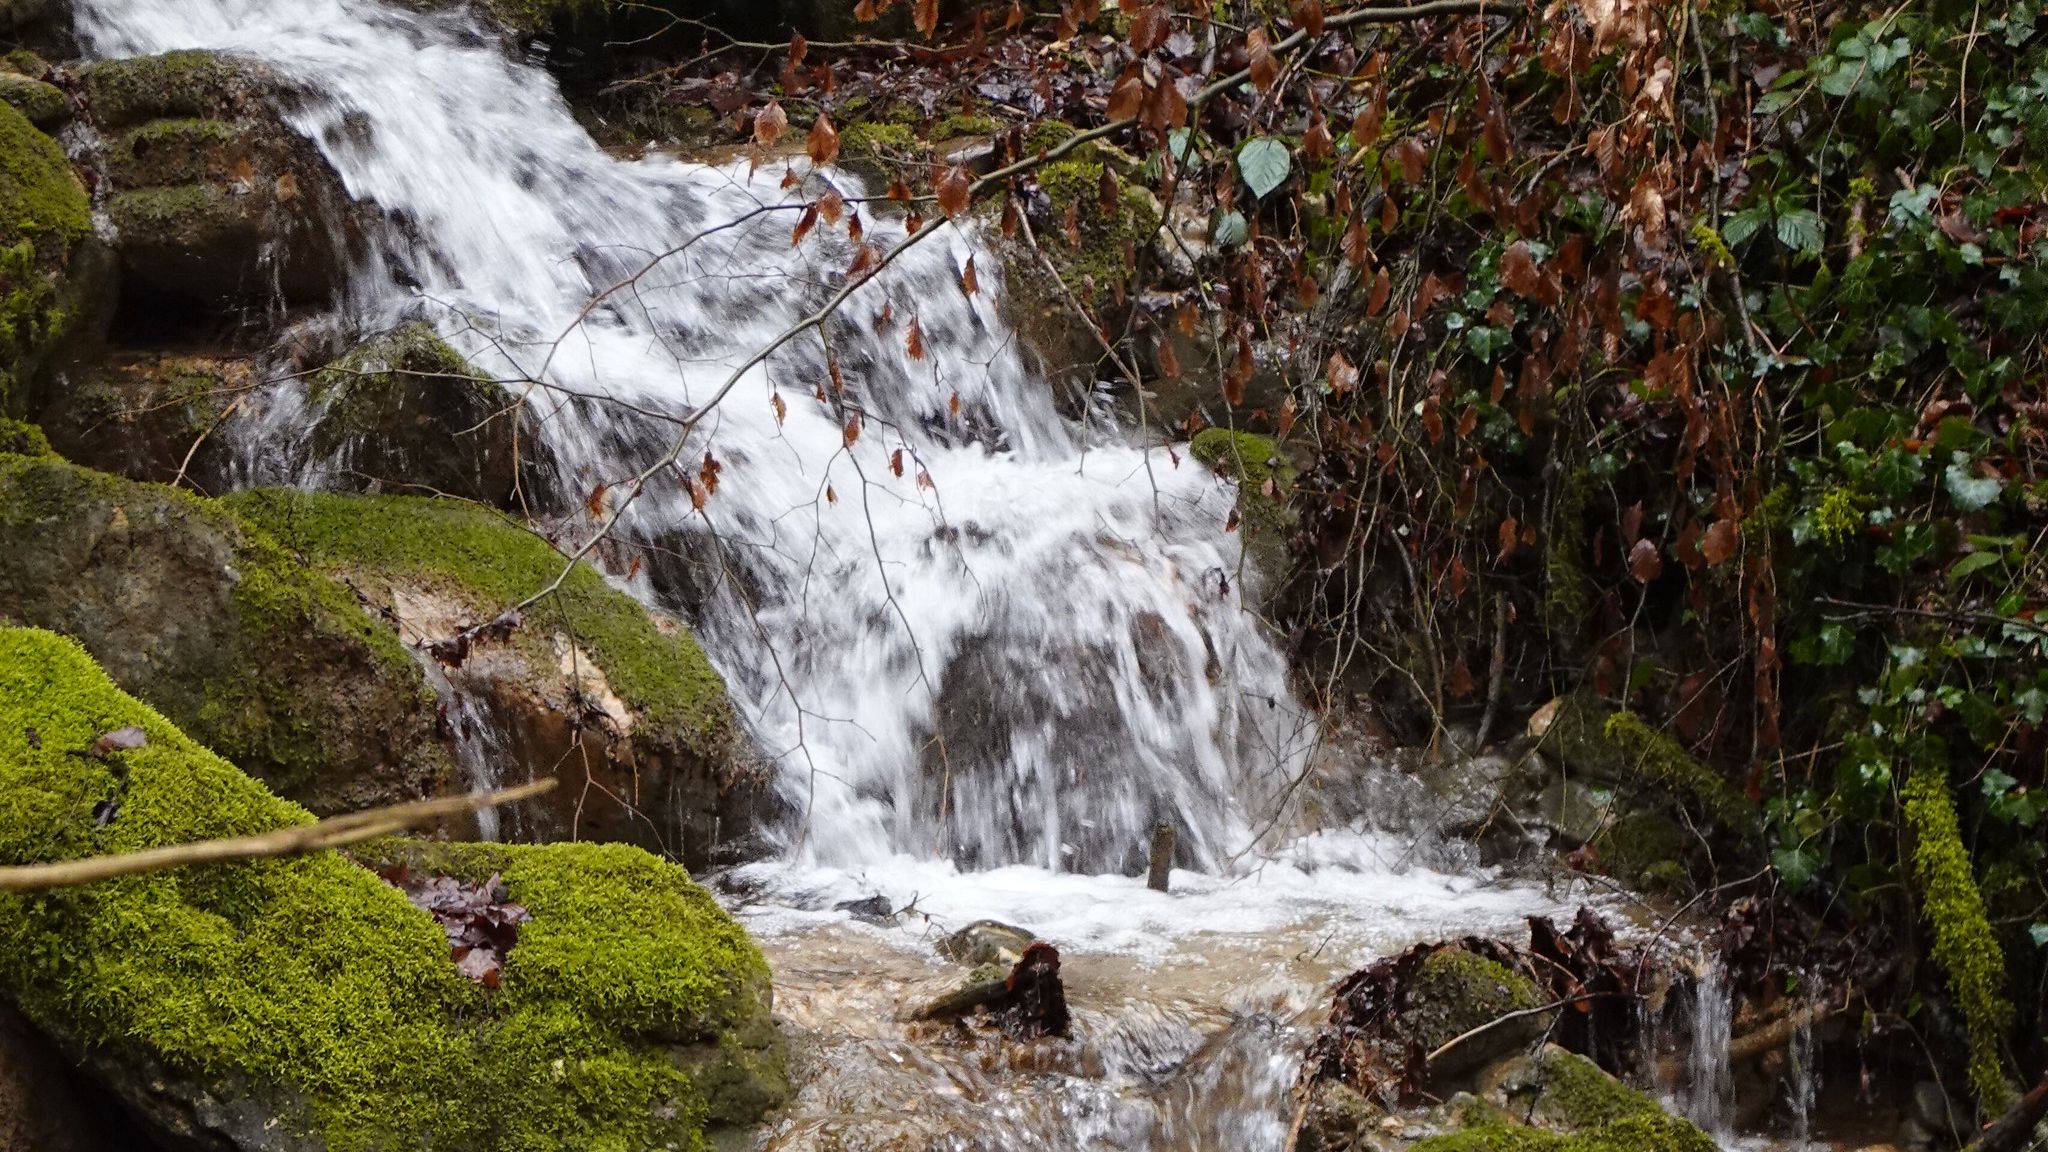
(1963, 941)
(493, 563)
(324, 986)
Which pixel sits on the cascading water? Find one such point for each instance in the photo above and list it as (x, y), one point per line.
(1708, 1094)
(988, 653)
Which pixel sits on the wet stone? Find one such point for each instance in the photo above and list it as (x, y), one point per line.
(987, 941)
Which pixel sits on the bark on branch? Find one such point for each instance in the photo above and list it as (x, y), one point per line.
(2012, 1130)
(298, 840)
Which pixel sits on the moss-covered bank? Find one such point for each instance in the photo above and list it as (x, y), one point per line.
(45, 222)
(631, 1011)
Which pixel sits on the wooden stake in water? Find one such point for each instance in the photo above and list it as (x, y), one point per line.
(1162, 857)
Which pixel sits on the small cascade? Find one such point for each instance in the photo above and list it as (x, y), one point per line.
(1707, 1096)
(1802, 1079)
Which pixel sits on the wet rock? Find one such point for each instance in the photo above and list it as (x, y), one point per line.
(15, 13)
(405, 412)
(618, 703)
(1574, 811)
(218, 203)
(1455, 991)
(205, 617)
(987, 942)
(315, 1006)
(1027, 1002)
(148, 416)
(872, 910)
(1570, 730)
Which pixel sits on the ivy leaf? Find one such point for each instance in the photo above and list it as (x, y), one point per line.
(1743, 225)
(1970, 492)
(1231, 230)
(1264, 163)
(1796, 865)
(2039, 934)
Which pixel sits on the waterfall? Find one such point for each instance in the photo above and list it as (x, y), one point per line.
(1073, 606)
(1708, 1096)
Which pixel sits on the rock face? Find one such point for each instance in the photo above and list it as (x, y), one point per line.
(218, 203)
(305, 1004)
(620, 705)
(404, 412)
(148, 416)
(215, 625)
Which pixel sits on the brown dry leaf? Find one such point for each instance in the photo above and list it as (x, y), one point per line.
(1150, 28)
(287, 188)
(953, 189)
(1645, 562)
(896, 461)
(781, 409)
(1518, 271)
(926, 16)
(1316, 142)
(852, 430)
(1168, 361)
(830, 206)
(769, 124)
(1365, 127)
(1382, 287)
(822, 146)
(1719, 545)
(1510, 537)
(1258, 46)
(1343, 374)
(1309, 14)
(913, 343)
(1462, 684)
(968, 284)
(804, 224)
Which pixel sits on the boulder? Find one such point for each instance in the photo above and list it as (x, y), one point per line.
(208, 619)
(404, 412)
(1265, 480)
(1457, 990)
(219, 204)
(45, 105)
(52, 271)
(619, 703)
(302, 1004)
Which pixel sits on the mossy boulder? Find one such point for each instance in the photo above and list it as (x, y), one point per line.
(405, 412)
(306, 1004)
(1559, 1101)
(218, 202)
(44, 105)
(149, 416)
(588, 685)
(49, 273)
(1457, 990)
(213, 623)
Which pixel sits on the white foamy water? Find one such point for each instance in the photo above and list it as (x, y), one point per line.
(986, 653)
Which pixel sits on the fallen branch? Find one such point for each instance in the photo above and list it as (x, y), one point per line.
(298, 840)
(2010, 1131)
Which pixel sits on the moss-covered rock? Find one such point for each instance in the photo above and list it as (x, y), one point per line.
(45, 255)
(216, 625)
(587, 671)
(1265, 480)
(1455, 991)
(1656, 758)
(217, 201)
(1658, 1133)
(1110, 240)
(45, 105)
(306, 1004)
(405, 412)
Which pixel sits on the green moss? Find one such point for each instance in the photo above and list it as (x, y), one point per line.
(1645, 1133)
(1661, 760)
(872, 139)
(1839, 517)
(1455, 991)
(1964, 943)
(173, 152)
(1577, 1095)
(18, 438)
(1108, 239)
(1641, 845)
(190, 83)
(1248, 458)
(43, 104)
(177, 217)
(495, 563)
(324, 985)
(962, 124)
(44, 215)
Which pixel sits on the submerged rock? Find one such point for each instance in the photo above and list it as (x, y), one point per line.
(619, 703)
(205, 617)
(987, 942)
(305, 1004)
(219, 204)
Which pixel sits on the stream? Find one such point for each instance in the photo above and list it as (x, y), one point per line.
(987, 650)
